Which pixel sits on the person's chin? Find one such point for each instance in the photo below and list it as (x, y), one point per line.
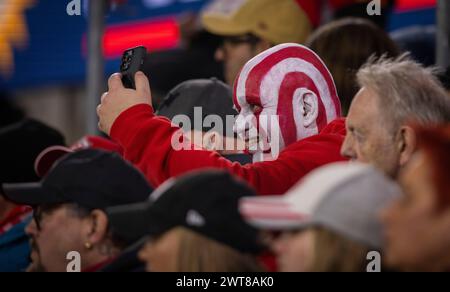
(251, 149)
(392, 256)
(283, 267)
(35, 265)
(148, 268)
(252, 146)
(34, 255)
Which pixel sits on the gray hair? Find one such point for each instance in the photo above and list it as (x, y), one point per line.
(407, 91)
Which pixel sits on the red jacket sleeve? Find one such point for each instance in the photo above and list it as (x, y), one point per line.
(146, 140)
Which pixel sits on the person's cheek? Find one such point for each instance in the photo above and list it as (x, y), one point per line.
(362, 151)
(49, 255)
(293, 256)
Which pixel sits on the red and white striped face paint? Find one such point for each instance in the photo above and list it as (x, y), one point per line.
(283, 95)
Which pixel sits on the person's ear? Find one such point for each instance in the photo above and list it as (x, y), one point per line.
(406, 144)
(96, 227)
(309, 107)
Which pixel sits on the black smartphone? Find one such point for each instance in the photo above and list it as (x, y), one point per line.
(133, 60)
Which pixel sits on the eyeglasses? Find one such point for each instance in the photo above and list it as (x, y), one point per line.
(40, 212)
(245, 39)
(37, 216)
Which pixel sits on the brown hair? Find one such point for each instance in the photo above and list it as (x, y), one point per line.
(345, 45)
(435, 142)
(335, 253)
(201, 254)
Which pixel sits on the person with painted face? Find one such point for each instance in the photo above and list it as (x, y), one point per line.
(283, 95)
(288, 115)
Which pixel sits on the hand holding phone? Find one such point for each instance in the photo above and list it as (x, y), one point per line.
(132, 61)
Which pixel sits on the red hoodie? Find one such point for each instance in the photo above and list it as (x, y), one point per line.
(17, 215)
(146, 140)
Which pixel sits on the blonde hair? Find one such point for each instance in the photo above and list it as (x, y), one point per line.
(335, 253)
(201, 254)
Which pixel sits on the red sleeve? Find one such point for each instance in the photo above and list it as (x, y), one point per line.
(146, 140)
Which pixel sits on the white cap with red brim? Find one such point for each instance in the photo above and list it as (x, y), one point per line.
(295, 208)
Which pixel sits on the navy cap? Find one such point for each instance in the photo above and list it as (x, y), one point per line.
(21, 143)
(93, 179)
(205, 202)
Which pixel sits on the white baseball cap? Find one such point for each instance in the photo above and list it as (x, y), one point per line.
(344, 197)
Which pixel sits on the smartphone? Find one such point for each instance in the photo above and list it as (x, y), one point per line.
(133, 60)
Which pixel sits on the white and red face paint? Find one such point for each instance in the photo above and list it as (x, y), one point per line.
(283, 95)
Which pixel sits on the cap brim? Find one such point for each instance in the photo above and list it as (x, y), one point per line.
(133, 222)
(272, 213)
(32, 194)
(47, 158)
(97, 142)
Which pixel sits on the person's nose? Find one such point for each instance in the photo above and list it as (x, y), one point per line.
(31, 229)
(278, 245)
(347, 149)
(220, 54)
(247, 126)
(241, 125)
(144, 253)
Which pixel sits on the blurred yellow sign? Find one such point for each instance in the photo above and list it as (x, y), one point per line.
(13, 31)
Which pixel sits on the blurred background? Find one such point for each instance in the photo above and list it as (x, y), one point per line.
(44, 52)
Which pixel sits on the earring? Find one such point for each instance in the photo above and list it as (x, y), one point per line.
(88, 245)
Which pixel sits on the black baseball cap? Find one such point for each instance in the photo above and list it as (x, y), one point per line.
(93, 179)
(21, 143)
(205, 202)
(211, 95)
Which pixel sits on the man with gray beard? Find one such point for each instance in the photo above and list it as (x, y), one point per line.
(394, 94)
